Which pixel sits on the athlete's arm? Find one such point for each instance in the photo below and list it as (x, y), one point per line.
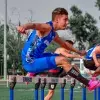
(66, 53)
(58, 40)
(97, 51)
(42, 27)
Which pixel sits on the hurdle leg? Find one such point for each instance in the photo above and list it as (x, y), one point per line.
(36, 93)
(42, 94)
(11, 94)
(95, 94)
(98, 93)
(37, 85)
(71, 93)
(62, 93)
(12, 85)
(84, 93)
(43, 84)
(62, 89)
(73, 82)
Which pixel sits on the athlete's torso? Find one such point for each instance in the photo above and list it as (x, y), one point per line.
(34, 46)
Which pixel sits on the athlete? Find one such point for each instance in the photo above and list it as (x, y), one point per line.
(33, 57)
(92, 61)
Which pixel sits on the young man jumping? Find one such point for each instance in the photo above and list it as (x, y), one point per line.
(33, 57)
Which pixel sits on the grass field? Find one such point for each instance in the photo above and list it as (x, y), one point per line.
(24, 92)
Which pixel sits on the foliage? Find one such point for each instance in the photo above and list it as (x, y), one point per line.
(83, 26)
(14, 45)
(98, 4)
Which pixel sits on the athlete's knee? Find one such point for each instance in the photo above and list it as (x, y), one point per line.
(57, 50)
(61, 60)
(49, 95)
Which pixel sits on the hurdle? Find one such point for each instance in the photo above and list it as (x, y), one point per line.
(42, 81)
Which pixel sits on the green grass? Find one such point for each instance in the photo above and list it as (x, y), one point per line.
(23, 92)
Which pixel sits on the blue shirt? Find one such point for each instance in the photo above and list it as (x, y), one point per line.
(89, 55)
(34, 46)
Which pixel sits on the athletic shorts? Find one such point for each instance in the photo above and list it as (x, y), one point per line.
(45, 62)
(61, 73)
(89, 64)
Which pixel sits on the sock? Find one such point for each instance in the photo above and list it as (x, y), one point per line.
(75, 74)
(63, 73)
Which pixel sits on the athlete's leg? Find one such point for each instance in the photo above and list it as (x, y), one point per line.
(61, 61)
(97, 72)
(64, 73)
(49, 95)
(52, 86)
(47, 63)
(99, 60)
(89, 64)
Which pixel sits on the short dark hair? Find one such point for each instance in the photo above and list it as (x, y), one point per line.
(69, 41)
(59, 11)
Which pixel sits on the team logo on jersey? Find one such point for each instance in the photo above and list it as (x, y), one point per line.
(52, 37)
(46, 42)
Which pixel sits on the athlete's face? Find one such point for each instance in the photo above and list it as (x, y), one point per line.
(62, 21)
(71, 43)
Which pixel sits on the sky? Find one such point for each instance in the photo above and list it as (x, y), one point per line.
(40, 10)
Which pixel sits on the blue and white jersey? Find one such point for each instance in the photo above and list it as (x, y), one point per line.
(89, 55)
(34, 46)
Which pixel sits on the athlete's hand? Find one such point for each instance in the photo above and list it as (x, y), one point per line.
(97, 72)
(21, 29)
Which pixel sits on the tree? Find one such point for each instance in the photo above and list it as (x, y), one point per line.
(83, 26)
(14, 45)
(98, 4)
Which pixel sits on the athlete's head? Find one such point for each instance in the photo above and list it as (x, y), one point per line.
(70, 42)
(60, 17)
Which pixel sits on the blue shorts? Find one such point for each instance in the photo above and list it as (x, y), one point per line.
(45, 62)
